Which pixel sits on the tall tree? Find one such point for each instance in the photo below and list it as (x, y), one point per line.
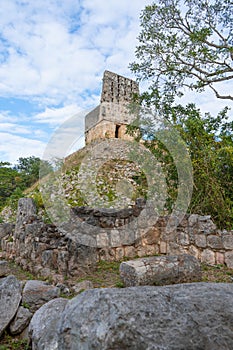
(189, 44)
(31, 167)
(186, 43)
(9, 181)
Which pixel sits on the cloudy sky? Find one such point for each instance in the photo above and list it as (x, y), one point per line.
(52, 57)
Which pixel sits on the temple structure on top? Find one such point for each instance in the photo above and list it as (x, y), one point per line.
(111, 117)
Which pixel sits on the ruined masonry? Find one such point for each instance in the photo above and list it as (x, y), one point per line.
(110, 118)
(93, 235)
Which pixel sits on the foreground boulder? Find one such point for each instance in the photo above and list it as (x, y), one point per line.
(160, 270)
(20, 321)
(183, 316)
(43, 328)
(10, 297)
(36, 293)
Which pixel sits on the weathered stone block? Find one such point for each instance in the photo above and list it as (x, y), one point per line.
(102, 240)
(229, 259)
(214, 242)
(6, 229)
(205, 224)
(4, 268)
(194, 251)
(130, 252)
(163, 247)
(119, 253)
(227, 241)
(62, 261)
(115, 238)
(152, 249)
(25, 213)
(36, 293)
(20, 321)
(219, 258)
(174, 248)
(81, 286)
(200, 240)
(183, 238)
(159, 270)
(193, 219)
(208, 256)
(141, 251)
(10, 296)
(152, 236)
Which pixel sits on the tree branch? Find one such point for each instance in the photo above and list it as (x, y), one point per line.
(224, 97)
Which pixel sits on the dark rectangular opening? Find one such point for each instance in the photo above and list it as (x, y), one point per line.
(117, 131)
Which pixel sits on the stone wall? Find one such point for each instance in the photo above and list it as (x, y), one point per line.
(93, 235)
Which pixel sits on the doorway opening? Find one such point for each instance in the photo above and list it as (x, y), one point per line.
(117, 131)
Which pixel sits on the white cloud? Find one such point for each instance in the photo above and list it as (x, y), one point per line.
(13, 146)
(14, 128)
(57, 53)
(56, 116)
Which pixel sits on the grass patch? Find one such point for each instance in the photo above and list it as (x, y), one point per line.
(216, 273)
(9, 343)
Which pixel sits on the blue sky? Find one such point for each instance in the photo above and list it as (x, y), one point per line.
(52, 57)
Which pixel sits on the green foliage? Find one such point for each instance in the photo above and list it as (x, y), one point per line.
(30, 168)
(188, 44)
(210, 144)
(10, 343)
(12, 201)
(185, 44)
(9, 181)
(14, 180)
(26, 305)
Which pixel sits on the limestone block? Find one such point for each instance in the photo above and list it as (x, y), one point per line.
(205, 224)
(152, 236)
(4, 268)
(10, 296)
(208, 256)
(115, 238)
(159, 270)
(25, 213)
(229, 259)
(141, 251)
(200, 240)
(194, 251)
(183, 238)
(81, 286)
(215, 242)
(193, 219)
(20, 321)
(163, 247)
(102, 240)
(36, 293)
(175, 248)
(152, 249)
(6, 229)
(227, 241)
(119, 253)
(219, 258)
(62, 261)
(130, 252)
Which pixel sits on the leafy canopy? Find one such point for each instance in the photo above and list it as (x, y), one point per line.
(186, 44)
